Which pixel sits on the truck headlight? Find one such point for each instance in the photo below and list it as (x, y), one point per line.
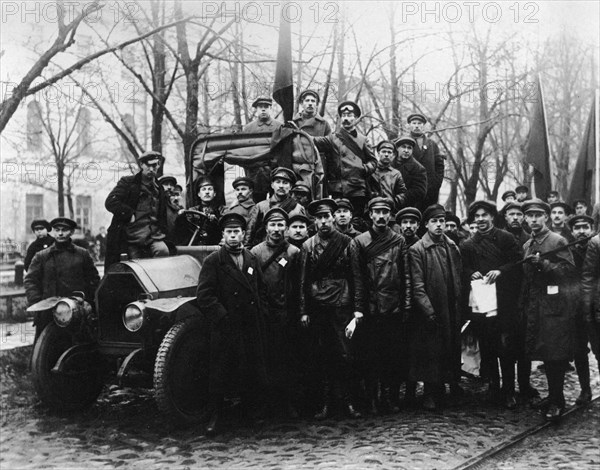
(133, 317)
(65, 311)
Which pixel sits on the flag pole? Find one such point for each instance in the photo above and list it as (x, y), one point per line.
(547, 135)
(597, 135)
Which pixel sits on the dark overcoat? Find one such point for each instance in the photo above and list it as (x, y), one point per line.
(35, 247)
(122, 202)
(590, 280)
(415, 179)
(428, 154)
(436, 276)
(234, 302)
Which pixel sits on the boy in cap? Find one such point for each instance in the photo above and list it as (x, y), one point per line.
(388, 181)
(428, 154)
(413, 173)
(280, 261)
(326, 304)
(308, 119)
(547, 299)
(264, 122)
(232, 294)
(59, 270)
(343, 218)
(40, 228)
(435, 350)
(244, 189)
(139, 206)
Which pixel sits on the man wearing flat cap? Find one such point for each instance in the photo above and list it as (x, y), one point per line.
(522, 193)
(382, 293)
(59, 270)
(349, 159)
(509, 196)
(435, 349)
(581, 227)
(452, 227)
(244, 188)
(413, 173)
(514, 219)
(388, 182)
(491, 256)
(308, 118)
(428, 154)
(40, 228)
(547, 300)
(301, 193)
(327, 305)
(279, 262)
(559, 213)
(407, 224)
(139, 207)
(298, 230)
(233, 295)
(282, 180)
(343, 218)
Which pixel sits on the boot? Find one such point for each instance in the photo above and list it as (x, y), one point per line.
(583, 373)
(216, 406)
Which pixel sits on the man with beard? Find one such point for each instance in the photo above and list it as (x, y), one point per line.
(298, 230)
(559, 212)
(279, 262)
(282, 180)
(232, 293)
(343, 218)
(581, 226)
(491, 255)
(388, 181)
(435, 349)
(382, 294)
(349, 158)
(327, 305)
(547, 304)
(308, 119)
(244, 188)
(413, 173)
(513, 214)
(408, 220)
(427, 153)
(40, 228)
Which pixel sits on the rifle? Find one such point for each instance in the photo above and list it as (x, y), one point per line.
(556, 250)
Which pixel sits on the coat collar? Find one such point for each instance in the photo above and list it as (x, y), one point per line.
(229, 267)
(317, 117)
(67, 247)
(540, 237)
(428, 241)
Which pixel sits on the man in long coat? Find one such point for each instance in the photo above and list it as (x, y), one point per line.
(590, 291)
(280, 262)
(436, 275)
(232, 294)
(308, 119)
(413, 173)
(547, 301)
(388, 181)
(383, 294)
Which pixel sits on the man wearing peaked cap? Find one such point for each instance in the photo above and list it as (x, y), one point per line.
(59, 270)
(388, 181)
(509, 196)
(263, 100)
(489, 206)
(514, 218)
(536, 204)
(349, 106)
(282, 180)
(168, 182)
(244, 188)
(321, 206)
(301, 193)
(383, 297)
(343, 218)
(452, 227)
(413, 173)
(232, 219)
(408, 221)
(298, 230)
(559, 212)
(522, 193)
(40, 228)
(308, 119)
(138, 203)
(428, 154)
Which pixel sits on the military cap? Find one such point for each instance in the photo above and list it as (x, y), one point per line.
(507, 194)
(232, 219)
(488, 206)
(417, 116)
(283, 173)
(578, 219)
(308, 92)
(535, 205)
(322, 205)
(406, 140)
(203, 180)
(343, 203)
(380, 203)
(386, 144)
(262, 100)
(65, 222)
(168, 179)
(409, 212)
(41, 223)
(299, 218)
(149, 156)
(435, 210)
(301, 188)
(564, 205)
(349, 106)
(242, 180)
(522, 189)
(452, 217)
(512, 205)
(276, 213)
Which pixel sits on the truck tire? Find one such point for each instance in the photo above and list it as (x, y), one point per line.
(181, 372)
(62, 392)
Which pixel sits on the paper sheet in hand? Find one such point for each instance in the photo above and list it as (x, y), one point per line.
(483, 297)
(350, 327)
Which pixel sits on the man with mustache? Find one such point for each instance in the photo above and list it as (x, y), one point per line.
(244, 189)
(407, 224)
(298, 230)
(413, 173)
(349, 159)
(581, 226)
(308, 119)
(559, 212)
(513, 215)
(383, 294)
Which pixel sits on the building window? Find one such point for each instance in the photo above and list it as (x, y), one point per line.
(34, 126)
(34, 209)
(83, 212)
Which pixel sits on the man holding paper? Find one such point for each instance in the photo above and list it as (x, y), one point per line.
(490, 257)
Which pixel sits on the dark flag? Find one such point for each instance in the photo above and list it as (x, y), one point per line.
(537, 149)
(582, 182)
(283, 88)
